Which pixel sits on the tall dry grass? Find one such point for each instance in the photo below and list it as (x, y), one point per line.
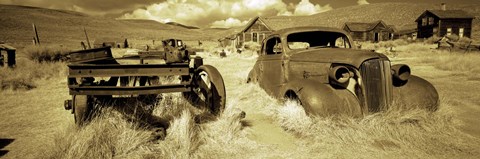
(114, 135)
(46, 53)
(34, 63)
(390, 134)
(27, 73)
(427, 54)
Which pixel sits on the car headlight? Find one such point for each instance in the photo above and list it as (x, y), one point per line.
(400, 74)
(340, 75)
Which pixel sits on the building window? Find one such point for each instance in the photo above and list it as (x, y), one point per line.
(424, 21)
(255, 37)
(460, 32)
(449, 31)
(430, 21)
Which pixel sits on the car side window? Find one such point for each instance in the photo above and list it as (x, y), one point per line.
(341, 42)
(273, 46)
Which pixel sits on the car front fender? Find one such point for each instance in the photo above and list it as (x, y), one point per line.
(416, 93)
(323, 100)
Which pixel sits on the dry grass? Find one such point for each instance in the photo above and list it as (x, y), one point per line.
(426, 54)
(107, 136)
(48, 53)
(26, 74)
(391, 134)
(115, 135)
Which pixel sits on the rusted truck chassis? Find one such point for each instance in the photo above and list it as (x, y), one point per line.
(94, 76)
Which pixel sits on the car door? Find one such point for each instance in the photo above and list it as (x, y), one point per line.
(270, 65)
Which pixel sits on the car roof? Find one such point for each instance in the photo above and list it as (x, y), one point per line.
(288, 31)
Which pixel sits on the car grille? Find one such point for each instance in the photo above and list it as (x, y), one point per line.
(377, 84)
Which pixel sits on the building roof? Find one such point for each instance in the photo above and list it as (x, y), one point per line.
(275, 23)
(448, 14)
(445, 14)
(405, 29)
(6, 47)
(363, 27)
(290, 30)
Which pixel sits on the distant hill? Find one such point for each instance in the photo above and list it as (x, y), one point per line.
(392, 13)
(181, 25)
(66, 27)
(402, 15)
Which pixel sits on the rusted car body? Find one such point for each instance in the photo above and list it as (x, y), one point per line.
(318, 67)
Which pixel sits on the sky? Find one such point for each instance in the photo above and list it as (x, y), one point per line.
(206, 13)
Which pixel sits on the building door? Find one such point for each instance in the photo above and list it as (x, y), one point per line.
(376, 37)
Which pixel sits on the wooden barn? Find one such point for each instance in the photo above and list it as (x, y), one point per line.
(444, 22)
(374, 32)
(258, 29)
(408, 31)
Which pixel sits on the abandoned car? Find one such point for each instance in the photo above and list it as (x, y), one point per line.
(319, 67)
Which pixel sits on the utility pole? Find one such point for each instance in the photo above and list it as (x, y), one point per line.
(88, 41)
(36, 39)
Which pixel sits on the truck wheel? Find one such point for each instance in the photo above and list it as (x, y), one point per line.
(82, 109)
(209, 89)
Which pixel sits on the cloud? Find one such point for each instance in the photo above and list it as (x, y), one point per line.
(202, 13)
(221, 13)
(304, 7)
(206, 12)
(228, 23)
(92, 7)
(362, 2)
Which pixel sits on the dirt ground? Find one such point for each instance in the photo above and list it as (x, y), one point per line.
(33, 118)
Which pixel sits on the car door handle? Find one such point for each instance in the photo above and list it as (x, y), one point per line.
(261, 67)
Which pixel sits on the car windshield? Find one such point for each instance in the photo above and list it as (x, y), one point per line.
(317, 39)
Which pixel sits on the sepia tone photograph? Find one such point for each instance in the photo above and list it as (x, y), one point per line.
(239, 79)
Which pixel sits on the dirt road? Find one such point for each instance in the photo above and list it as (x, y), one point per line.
(33, 118)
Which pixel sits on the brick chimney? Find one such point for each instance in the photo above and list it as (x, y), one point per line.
(444, 6)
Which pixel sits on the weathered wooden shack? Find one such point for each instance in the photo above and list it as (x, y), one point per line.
(374, 31)
(258, 29)
(444, 22)
(407, 31)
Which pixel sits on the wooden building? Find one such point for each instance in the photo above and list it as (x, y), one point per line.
(407, 31)
(444, 22)
(258, 29)
(374, 32)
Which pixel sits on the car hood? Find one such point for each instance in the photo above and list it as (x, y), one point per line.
(335, 55)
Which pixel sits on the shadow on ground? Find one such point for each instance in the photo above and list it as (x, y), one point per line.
(3, 144)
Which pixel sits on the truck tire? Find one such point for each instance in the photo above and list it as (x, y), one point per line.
(82, 109)
(209, 90)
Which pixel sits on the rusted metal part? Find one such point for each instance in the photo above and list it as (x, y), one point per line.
(90, 55)
(95, 76)
(328, 76)
(109, 70)
(137, 90)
